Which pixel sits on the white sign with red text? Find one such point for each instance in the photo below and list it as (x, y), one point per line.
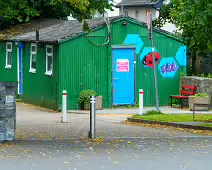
(123, 65)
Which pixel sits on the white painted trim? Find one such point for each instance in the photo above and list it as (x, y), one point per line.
(32, 70)
(8, 67)
(18, 66)
(8, 50)
(49, 72)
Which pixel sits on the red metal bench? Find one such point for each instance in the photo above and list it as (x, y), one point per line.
(185, 92)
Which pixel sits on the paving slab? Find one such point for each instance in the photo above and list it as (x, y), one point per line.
(133, 111)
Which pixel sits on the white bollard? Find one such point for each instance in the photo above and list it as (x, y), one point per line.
(141, 101)
(64, 107)
(92, 133)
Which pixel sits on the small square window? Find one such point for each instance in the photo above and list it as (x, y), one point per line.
(49, 60)
(49, 50)
(9, 46)
(33, 54)
(33, 48)
(8, 55)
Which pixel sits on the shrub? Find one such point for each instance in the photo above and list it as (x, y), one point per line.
(209, 75)
(85, 96)
(201, 95)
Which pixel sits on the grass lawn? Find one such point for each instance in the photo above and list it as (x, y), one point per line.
(206, 125)
(175, 117)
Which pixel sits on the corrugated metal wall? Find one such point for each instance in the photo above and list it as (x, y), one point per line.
(5, 73)
(167, 47)
(84, 65)
(38, 88)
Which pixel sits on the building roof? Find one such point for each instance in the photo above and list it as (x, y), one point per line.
(50, 30)
(132, 3)
(55, 31)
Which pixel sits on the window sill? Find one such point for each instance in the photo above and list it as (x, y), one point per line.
(32, 71)
(8, 66)
(48, 73)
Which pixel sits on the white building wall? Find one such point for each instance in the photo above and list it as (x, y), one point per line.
(141, 12)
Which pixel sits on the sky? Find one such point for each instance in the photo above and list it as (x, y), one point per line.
(116, 10)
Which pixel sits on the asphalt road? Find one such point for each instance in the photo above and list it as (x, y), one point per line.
(42, 143)
(124, 154)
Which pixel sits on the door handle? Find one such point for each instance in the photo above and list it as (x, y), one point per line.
(115, 78)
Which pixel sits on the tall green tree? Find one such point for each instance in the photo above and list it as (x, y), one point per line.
(194, 19)
(17, 11)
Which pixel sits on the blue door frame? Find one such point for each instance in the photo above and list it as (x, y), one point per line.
(20, 68)
(123, 75)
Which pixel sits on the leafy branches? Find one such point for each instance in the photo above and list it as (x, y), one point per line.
(193, 19)
(16, 11)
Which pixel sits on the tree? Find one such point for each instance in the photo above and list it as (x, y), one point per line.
(18, 11)
(193, 18)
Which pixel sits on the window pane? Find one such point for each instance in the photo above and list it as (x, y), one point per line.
(9, 58)
(49, 50)
(49, 63)
(33, 62)
(33, 48)
(9, 46)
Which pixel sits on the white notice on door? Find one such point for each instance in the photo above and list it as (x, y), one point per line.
(123, 65)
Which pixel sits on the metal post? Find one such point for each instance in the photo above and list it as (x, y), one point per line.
(92, 133)
(194, 112)
(141, 101)
(154, 63)
(64, 107)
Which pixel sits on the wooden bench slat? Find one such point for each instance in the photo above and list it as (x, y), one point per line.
(189, 87)
(187, 92)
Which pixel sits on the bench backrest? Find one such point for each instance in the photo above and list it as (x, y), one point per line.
(187, 90)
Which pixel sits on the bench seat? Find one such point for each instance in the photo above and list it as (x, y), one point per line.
(185, 92)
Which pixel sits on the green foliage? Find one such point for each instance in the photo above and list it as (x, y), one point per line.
(85, 96)
(175, 117)
(202, 75)
(182, 74)
(153, 112)
(201, 95)
(193, 18)
(13, 12)
(189, 70)
(209, 75)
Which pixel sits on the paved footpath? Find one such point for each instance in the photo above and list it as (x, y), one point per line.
(38, 123)
(42, 142)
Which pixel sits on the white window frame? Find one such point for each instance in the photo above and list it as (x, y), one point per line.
(49, 73)
(32, 70)
(8, 50)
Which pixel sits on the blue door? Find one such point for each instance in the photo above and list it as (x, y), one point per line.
(123, 76)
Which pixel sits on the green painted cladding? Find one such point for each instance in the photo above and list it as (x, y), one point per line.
(84, 62)
(167, 47)
(6, 74)
(85, 65)
(38, 88)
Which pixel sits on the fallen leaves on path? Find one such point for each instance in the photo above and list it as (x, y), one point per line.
(201, 132)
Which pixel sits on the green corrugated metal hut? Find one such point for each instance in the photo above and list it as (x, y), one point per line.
(114, 60)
